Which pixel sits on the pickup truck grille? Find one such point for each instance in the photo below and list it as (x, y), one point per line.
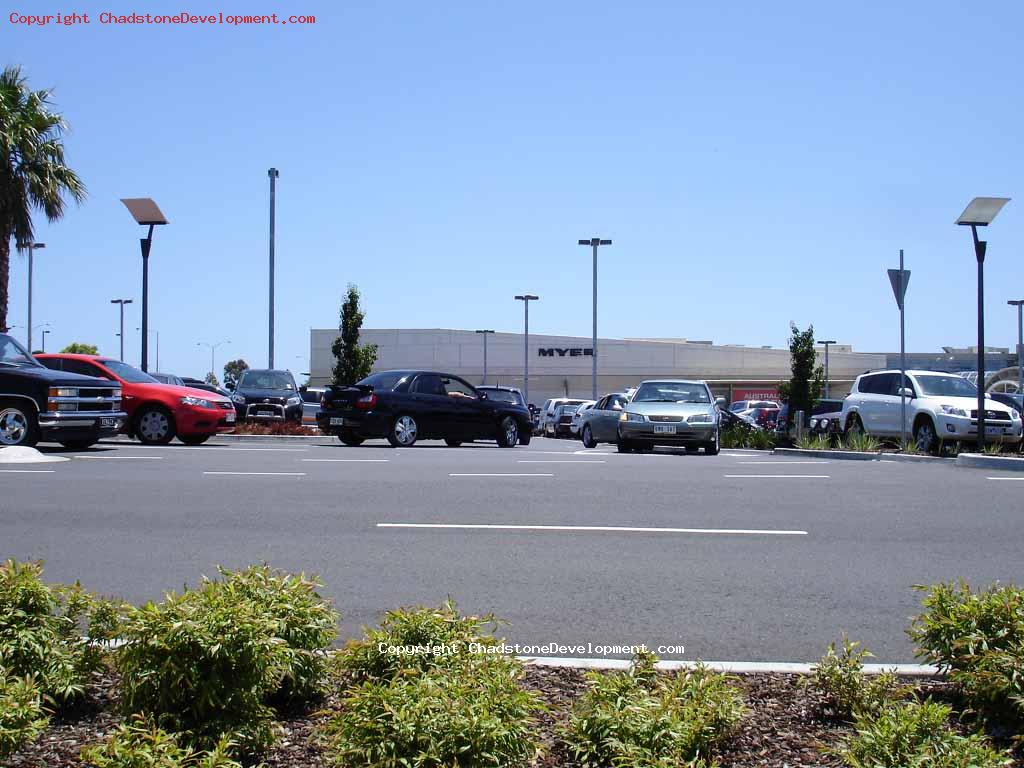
(88, 400)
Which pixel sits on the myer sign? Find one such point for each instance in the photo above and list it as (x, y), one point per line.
(565, 352)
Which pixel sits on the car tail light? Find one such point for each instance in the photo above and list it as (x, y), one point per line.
(323, 401)
(366, 402)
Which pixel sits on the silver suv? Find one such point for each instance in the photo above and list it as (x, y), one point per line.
(940, 406)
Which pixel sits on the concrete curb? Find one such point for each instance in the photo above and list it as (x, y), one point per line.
(734, 667)
(896, 458)
(981, 461)
(293, 439)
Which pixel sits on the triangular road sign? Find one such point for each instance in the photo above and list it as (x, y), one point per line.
(899, 281)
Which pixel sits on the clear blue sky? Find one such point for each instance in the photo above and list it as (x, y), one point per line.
(755, 163)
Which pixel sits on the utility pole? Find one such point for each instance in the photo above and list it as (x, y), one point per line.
(121, 303)
(485, 333)
(31, 247)
(594, 242)
(273, 174)
(526, 298)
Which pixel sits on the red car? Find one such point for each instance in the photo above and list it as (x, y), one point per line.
(157, 413)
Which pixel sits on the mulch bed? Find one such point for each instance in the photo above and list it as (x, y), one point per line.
(787, 725)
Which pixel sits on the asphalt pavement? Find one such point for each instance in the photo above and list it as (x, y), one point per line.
(743, 556)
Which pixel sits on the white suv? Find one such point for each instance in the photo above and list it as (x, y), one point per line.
(940, 406)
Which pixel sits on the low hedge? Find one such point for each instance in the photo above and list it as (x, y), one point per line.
(22, 717)
(139, 744)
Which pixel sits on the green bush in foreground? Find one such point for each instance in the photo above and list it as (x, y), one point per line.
(471, 713)
(141, 745)
(40, 632)
(979, 638)
(916, 735)
(22, 718)
(428, 637)
(840, 677)
(206, 663)
(640, 718)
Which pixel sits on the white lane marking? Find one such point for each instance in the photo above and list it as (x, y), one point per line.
(594, 528)
(795, 477)
(500, 474)
(562, 461)
(349, 460)
(144, 458)
(277, 474)
(1004, 478)
(293, 450)
(29, 471)
(782, 462)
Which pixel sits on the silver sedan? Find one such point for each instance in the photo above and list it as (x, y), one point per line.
(670, 412)
(600, 422)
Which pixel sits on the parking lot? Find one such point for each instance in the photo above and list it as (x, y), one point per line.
(740, 556)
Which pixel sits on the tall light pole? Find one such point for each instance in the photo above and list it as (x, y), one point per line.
(526, 298)
(273, 174)
(979, 213)
(213, 349)
(594, 242)
(30, 247)
(146, 213)
(1019, 304)
(44, 340)
(122, 302)
(485, 332)
(826, 343)
(157, 334)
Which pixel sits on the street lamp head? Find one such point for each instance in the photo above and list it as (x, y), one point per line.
(604, 242)
(486, 331)
(828, 341)
(1016, 302)
(23, 245)
(981, 211)
(595, 241)
(144, 210)
(527, 297)
(273, 173)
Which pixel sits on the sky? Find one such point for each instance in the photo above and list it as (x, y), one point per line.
(754, 164)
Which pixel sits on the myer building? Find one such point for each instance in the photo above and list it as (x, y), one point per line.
(561, 365)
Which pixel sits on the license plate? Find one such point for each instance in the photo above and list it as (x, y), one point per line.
(108, 422)
(337, 421)
(994, 430)
(264, 413)
(230, 417)
(664, 429)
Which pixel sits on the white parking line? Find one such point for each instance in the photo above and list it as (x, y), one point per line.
(1004, 478)
(93, 456)
(562, 461)
(500, 474)
(595, 528)
(782, 462)
(28, 471)
(349, 460)
(273, 474)
(292, 450)
(794, 477)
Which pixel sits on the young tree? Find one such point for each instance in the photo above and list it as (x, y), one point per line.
(211, 378)
(232, 372)
(78, 348)
(354, 360)
(32, 170)
(804, 388)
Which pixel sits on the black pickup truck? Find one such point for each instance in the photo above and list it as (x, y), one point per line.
(406, 406)
(37, 403)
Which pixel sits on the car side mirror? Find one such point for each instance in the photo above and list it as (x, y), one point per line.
(907, 392)
(720, 401)
(482, 395)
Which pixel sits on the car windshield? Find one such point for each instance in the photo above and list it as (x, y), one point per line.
(12, 353)
(671, 392)
(266, 380)
(127, 372)
(946, 386)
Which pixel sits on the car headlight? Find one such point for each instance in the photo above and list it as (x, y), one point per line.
(240, 399)
(814, 423)
(629, 416)
(1016, 414)
(198, 402)
(296, 400)
(950, 410)
(700, 418)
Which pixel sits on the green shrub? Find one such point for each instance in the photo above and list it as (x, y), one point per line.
(22, 718)
(861, 441)
(739, 437)
(438, 634)
(979, 638)
(840, 677)
(139, 744)
(916, 735)
(640, 718)
(471, 713)
(206, 663)
(818, 442)
(40, 632)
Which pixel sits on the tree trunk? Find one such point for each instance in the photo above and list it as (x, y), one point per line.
(5, 277)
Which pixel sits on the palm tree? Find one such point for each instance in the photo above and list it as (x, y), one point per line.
(32, 170)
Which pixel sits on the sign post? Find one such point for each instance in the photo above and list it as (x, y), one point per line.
(899, 279)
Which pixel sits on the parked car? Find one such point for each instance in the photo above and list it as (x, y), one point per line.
(406, 406)
(729, 420)
(577, 416)
(670, 412)
(765, 418)
(267, 395)
(156, 413)
(825, 417)
(38, 404)
(168, 378)
(740, 406)
(547, 413)
(560, 423)
(199, 384)
(600, 422)
(939, 406)
(310, 403)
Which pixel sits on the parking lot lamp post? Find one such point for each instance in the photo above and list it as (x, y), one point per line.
(46, 331)
(826, 343)
(31, 247)
(273, 174)
(485, 332)
(146, 213)
(121, 302)
(594, 242)
(1019, 304)
(979, 213)
(213, 350)
(526, 298)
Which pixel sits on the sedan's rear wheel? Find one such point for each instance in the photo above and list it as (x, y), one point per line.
(404, 432)
(588, 437)
(508, 432)
(154, 426)
(18, 425)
